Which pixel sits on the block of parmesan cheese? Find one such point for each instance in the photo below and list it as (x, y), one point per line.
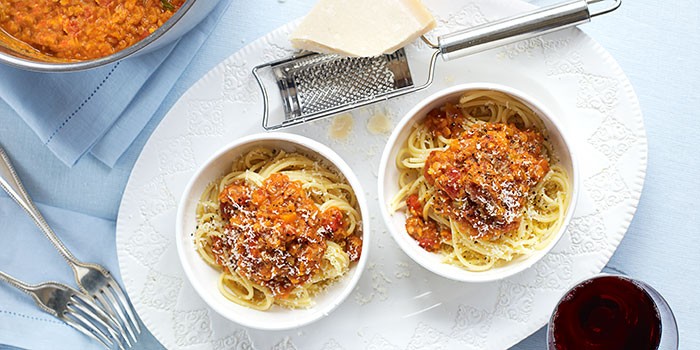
(362, 27)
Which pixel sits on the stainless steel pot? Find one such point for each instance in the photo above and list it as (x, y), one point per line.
(190, 14)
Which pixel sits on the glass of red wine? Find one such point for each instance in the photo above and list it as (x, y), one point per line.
(612, 312)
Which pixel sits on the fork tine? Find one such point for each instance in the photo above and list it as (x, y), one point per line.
(110, 306)
(100, 312)
(76, 308)
(85, 315)
(126, 304)
(78, 322)
(91, 310)
(118, 304)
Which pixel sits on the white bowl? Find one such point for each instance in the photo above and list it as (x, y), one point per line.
(389, 174)
(204, 278)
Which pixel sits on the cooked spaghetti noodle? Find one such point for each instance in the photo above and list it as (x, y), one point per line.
(480, 182)
(279, 227)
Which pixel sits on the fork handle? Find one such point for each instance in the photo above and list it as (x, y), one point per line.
(16, 283)
(10, 182)
(28, 289)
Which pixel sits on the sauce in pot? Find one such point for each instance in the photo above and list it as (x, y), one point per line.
(83, 29)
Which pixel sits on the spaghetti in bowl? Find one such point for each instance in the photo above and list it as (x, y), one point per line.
(477, 182)
(270, 231)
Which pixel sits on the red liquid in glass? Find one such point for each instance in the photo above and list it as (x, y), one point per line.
(607, 312)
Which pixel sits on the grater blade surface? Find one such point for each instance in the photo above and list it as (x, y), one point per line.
(316, 83)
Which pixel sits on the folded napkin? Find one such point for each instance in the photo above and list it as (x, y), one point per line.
(28, 256)
(102, 110)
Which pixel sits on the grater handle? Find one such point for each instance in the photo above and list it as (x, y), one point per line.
(513, 29)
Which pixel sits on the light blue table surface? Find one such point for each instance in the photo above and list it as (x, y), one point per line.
(657, 45)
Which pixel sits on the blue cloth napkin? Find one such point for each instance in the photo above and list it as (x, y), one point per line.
(28, 256)
(103, 110)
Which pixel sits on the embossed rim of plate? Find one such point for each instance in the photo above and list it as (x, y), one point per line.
(204, 278)
(388, 175)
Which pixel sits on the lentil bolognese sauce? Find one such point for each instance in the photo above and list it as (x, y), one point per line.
(279, 227)
(480, 182)
(82, 29)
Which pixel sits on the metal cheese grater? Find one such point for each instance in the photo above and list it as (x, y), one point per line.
(313, 86)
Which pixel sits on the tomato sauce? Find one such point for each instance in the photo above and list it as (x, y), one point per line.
(447, 121)
(83, 29)
(426, 232)
(482, 179)
(276, 234)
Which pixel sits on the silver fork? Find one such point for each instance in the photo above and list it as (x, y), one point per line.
(93, 280)
(72, 307)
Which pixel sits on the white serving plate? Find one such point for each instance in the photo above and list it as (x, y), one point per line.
(397, 304)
